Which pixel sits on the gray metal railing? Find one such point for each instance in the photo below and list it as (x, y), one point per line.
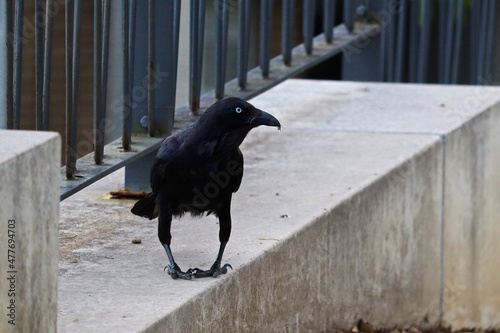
(410, 41)
(404, 55)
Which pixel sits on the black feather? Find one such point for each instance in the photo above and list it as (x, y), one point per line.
(146, 207)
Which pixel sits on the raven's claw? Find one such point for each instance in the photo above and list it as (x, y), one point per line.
(175, 272)
(214, 271)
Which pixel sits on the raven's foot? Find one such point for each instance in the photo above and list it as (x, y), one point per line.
(214, 271)
(176, 273)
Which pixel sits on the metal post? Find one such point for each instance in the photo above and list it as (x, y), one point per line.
(47, 65)
(442, 35)
(173, 26)
(221, 25)
(488, 75)
(481, 52)
(390, 45)
(127, 105)
(475, 21)
(18, 62)
(384, 47)
(243, 42)
(39, 63)
(458, 41)
(77, 28)
(105, 58)
(197, 26)
(151, 67)
(349, 15)
(413, 41)
(328, 19)
(423, 54)
(131, 53)
(265, 36)
(448, 43)
(401, 40)
(69, 17)
(201, 38)
(98, 111)
(10, 73)
(287, 31)
(72, 109)
(308, 25)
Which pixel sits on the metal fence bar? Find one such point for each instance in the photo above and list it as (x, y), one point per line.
(413, 41)
(194, 53)
(77, 32)
(47, 63)
(401, 40)
(383, 47)
(18, 62)
(481, 55)
(105, 59)
(423, 54)
(328, 19)
(197, 34)
(243, 41)
(127, 104)
(266, 9)
(349, 15)
(475, 19)
(39, 63)
(151, 66)
(390, 45)
(98, 114)
(308, 25)
(458, 42)
(173, 20)
(10, 72)
(287, 31)
(221, 25)
(72, 110)
(131, 43)
(489, 43)
(201, 38)
(442, 37)
(69, 17)
(448, 47)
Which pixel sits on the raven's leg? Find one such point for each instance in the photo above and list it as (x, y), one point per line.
(224, 232)
(164, 222)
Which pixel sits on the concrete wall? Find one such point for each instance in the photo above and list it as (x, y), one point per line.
(29, 215)
(472, 222)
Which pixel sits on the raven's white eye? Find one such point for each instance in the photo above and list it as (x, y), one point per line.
(238, 110)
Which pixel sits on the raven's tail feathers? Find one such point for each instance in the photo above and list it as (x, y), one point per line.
(146, 207)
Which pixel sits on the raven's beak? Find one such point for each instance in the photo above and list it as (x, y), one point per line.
(264, 118)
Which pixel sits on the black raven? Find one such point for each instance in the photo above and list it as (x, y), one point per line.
(197, 170)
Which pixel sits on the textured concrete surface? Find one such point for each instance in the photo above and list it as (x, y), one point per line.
(472, 222)
(358, 170)
(29, 212)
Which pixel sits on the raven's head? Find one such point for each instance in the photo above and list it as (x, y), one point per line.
(234, 112)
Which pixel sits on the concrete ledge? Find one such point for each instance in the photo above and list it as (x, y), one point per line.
(29, 212)
(362, 171)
